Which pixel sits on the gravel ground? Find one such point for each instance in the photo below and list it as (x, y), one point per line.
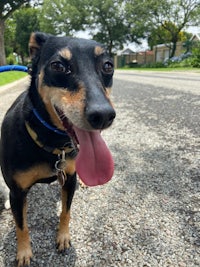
(148, 215)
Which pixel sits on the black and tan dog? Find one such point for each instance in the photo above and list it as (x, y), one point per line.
(53, 129)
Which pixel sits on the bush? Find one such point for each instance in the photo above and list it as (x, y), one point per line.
(192, 61)
(11, 60)
(183, 64)
(195, 60)
(154, 65)
(147, 65)
(195, 63)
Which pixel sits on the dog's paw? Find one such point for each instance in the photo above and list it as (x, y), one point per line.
(63, 242)
(24, 257)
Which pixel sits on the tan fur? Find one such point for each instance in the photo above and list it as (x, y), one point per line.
(98, 50)
(33, 46)
(27, 178)
(24, 252)
(63, 236)
(70, 166)
(71, 103)
(65, 53)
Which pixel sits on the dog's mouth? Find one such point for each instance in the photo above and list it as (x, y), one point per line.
(94, 163)
(67, 125)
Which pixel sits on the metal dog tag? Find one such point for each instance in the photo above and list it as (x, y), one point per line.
(61, 177)
(60, 166)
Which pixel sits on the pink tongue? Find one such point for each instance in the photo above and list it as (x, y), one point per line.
(94, 163)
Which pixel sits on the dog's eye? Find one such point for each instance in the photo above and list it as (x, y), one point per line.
(108, 67)
(59, 67)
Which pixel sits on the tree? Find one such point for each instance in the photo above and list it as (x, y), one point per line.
(26, 19)
(172, 15)
(178, 14)
(63, 16)
(160, 35)
(9, 36)
(103, 19)
(7, 7)
(138, 19)
(107, 23)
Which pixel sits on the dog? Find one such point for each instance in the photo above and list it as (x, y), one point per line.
(52, 130)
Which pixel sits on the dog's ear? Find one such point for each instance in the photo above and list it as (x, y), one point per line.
(36, 41)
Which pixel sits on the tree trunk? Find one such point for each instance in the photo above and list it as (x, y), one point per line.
(2, 47)
(173, 49)
(110, 47)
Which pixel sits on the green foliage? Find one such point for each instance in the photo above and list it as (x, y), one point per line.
(107, 23)
(112, 22)
(190, 62)
(63, 16)
(165, 19)
(9, 6)
(10, 36)
(186, 63)
(11, 60)
(163, 34)
(104, 19)
(18, 29)
(26, 22)
(195, 60)
(154, 65)
(137, 18)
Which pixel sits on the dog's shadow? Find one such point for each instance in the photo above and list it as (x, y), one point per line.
(43, 218)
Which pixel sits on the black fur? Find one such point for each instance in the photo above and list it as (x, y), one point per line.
(18, 151)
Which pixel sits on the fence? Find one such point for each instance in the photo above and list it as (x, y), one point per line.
(158, 54)
(134, 59)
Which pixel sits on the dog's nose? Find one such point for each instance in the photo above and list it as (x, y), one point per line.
(100, 117)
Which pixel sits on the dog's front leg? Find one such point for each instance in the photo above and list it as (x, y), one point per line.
(63, 237)
(19, 209)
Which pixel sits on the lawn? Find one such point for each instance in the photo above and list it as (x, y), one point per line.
(190, 69)
(11, 76)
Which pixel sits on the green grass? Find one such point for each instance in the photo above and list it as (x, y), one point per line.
(170, 69)
(11, 76)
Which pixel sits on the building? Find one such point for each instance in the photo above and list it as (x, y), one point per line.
(162, 51)
(195, 37)
(129, 58)
(159, 53)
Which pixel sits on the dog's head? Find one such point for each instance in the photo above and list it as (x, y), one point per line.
(73, 78)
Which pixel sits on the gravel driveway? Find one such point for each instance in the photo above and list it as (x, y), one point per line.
(148, 215)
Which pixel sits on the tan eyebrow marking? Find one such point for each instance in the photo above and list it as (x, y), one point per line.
(66, 53)
(98, 50)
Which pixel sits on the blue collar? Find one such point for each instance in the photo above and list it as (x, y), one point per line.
(48, 126)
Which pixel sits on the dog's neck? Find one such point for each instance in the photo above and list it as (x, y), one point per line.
(47, 125)
(42, 131)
